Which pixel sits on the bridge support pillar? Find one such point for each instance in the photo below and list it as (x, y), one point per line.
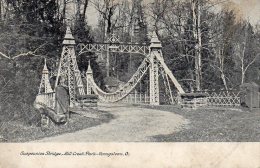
(155, 48)
(68, 72)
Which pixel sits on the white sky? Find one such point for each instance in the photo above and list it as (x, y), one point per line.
(248, 9)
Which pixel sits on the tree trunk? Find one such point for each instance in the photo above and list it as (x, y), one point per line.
(108, 63)
(0, 10)
(224, 80)
(192, 77)
(78, 9)
(242, 75)
(221, 58)
(85, 9)
(64, 11)
(58, 9)
(243, 66)
(199, 74)
(109, 21)
(197, 37)
(7, 13)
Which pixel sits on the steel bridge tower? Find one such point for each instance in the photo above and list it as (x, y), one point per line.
(68, 73)
(155, 48)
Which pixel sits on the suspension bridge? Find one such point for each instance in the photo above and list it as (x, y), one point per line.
(69, 77)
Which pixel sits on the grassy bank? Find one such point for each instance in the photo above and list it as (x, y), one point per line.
(216, 124)
(15, 131)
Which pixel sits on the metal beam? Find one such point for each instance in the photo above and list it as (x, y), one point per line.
(115, 47)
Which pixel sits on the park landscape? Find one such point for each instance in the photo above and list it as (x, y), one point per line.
(141, 71)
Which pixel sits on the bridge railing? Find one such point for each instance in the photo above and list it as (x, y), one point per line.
(46, 99)
(166, 100)
(143, 98)
(228, 98)
(222, 97)
(136, 98)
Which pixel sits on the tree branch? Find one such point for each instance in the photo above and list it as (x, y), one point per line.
(29, 53)
(251, 62)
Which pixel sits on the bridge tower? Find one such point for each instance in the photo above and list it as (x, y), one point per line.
(155, 49)
(45, 86)
(68, 73)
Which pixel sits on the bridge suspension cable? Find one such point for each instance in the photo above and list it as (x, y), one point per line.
(124, 90)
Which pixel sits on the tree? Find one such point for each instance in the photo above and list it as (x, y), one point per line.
(30, 31)
(82, 35)
(196, 17)
(246, 49)
(188, 31)
(79, 12)
(224, 32)
(107, 10)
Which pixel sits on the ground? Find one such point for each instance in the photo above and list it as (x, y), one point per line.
(170, 124)
(130, 124)
(14, 131)
(215, 124)
(145, 123)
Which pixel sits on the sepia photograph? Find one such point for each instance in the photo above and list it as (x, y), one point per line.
(129, 71)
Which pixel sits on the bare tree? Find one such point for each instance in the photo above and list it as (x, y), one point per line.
(79, 12)
(246, 49)
(223, 30)
(107, 9)
(196, 17)
(188, 26)
(1, 6)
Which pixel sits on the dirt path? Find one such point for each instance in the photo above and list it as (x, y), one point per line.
(131, 124)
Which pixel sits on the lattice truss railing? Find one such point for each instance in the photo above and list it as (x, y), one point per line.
(115, 47)
(223, 98)
(136, 98)
(45, 100)
(125, 89)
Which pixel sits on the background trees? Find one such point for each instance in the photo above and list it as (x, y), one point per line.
(200, 43)
(30, 31)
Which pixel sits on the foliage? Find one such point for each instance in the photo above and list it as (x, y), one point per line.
(82, 35)
(29, 32)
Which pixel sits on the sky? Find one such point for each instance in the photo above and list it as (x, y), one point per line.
(248, 9)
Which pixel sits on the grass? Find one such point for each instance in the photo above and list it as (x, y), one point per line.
(214, 125)
(15, 131)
